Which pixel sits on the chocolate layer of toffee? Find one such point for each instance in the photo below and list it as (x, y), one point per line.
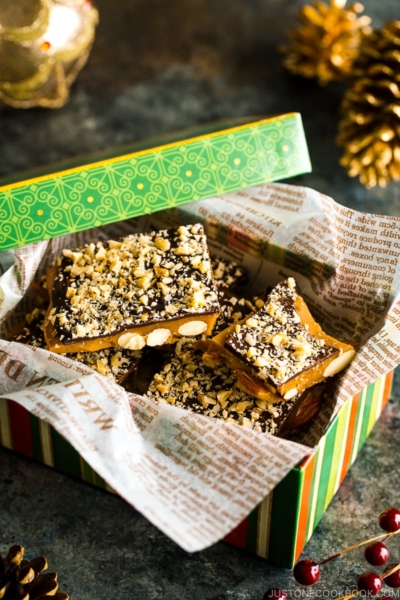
(233, 310)
(186, 382)
(279, 349)
(144, 289)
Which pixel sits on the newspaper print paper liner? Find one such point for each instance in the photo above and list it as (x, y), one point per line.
(196, 478)
(345, 263)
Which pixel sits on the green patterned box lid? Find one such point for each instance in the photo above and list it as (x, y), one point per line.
(126, 183)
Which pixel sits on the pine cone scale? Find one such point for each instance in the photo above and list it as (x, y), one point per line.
(26, 575)
(39, 564)
(14, 555)
(43, 585)
(21, 579)
(369, 131)
(326, 42)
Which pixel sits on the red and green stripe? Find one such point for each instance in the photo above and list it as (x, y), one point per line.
(282, 524)
(26, 434)
(299, 501)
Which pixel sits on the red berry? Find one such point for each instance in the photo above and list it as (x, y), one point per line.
(275, 594)
(389, 519)
(392, 581)
(370, 583)
(306, 572)
(377, 554)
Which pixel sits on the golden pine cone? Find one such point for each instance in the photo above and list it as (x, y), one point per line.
(22, 579)
(370, 128)
(326, 42)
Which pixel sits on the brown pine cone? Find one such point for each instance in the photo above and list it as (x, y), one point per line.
(22, 579)
(370, 128)
(326, 42)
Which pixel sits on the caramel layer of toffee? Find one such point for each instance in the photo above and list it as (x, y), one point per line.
(144, 289)
(114, 363)
(279, 349)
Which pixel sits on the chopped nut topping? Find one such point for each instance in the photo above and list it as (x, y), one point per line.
(162, 244)
(212, 391)
(274, 342)
(103, 287)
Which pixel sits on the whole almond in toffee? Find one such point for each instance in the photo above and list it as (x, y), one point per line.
(114, 363)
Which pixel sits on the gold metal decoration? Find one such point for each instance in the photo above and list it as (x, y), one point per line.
(43, 46)
(370, 128)
(327, 40)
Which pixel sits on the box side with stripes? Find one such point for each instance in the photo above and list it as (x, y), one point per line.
(337, 452)
(26, 434)
(281, 525)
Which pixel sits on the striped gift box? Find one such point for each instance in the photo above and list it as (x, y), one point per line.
(26, 434)
(141, 179)
(281, 525)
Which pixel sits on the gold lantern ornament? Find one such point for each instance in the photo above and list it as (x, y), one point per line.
(43, 46)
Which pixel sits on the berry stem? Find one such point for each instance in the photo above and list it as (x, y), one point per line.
(330, 558)
(396, 568)
(351, 595)
(385, 536)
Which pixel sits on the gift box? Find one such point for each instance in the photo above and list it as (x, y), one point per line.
(133, 181)
(280, 526)
(243, 224)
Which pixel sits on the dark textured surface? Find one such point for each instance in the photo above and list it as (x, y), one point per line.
(156, 67)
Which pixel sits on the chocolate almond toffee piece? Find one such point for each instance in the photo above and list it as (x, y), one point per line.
(259, 299)
(233, 310)
(143, 289)
(114, 363)
(227, 273)
(185, 381)
(31, 331)
(279, 349)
